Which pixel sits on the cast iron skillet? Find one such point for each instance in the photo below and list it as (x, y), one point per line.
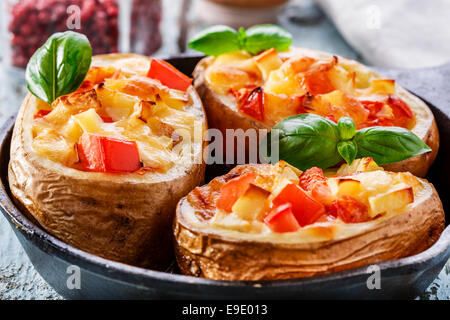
(100, 278)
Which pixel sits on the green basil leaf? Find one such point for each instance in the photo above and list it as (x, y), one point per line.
(388, 144)
(242, 37)
(346, 127)
(348, 150)
(307, 140)
(59, 66)
(216, 40)
(262, 37)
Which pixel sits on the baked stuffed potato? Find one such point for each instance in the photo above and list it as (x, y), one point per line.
(265, 222)
(245, 91)
(102, 168)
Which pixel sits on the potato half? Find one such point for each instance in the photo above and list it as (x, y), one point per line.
(222, 110)
(122, 217)
(204, 250)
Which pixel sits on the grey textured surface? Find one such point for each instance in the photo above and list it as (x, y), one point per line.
(19, 280)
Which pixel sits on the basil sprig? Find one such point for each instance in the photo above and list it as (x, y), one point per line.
(346, 148)
(389, 144)
(219, 39)
(308, 140)
(59, 66)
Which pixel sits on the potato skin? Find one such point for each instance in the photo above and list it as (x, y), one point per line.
(222, 117)
(126, 218)
(208, 254)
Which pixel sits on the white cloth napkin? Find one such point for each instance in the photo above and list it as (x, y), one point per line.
(394, 33)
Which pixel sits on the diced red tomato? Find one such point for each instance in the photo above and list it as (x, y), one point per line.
(107, 119)
(377, 122)
(281, 219)
(349, 210)
(314, 74)
(372, 106)
(314, 181)
(90, 153)
(41, 114)
(104, 154)
(233, 189)
(254, 104)
(310, 177)
(242, 94)
(168, 75)
(400, 109)
(305, 208)
(120, 155)
(399, 106)
(317, 82)
(302, 101)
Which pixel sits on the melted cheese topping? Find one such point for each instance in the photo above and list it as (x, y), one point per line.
(117, 100)
(301, 80)
(374, 186)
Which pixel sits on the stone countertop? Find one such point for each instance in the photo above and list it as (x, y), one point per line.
(18, 279)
